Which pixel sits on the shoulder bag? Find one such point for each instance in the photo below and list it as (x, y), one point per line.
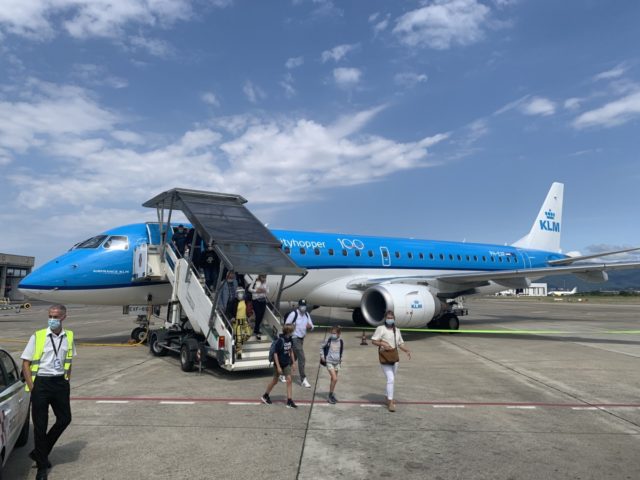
(389, 357)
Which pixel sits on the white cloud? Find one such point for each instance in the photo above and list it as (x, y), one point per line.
(612, 114)
(347, 77)
(153, 46)
(443, 23)
(126, 136)
(287, 84)
(253, 92)
(97, 75)
(42, 19)
(615, 72)
(409, 79)
(538, 106)
(381, 25)
(573, 103)
(294, 62)
(210, 98)
(337, 53)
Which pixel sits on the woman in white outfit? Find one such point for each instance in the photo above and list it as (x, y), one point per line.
(388, 338)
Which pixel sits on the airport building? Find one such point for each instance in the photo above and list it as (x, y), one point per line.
(534, 290)
(13, 268)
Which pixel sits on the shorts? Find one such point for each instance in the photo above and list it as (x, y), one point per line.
(333, 366)
(286, 371)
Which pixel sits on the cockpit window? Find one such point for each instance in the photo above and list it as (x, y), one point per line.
(117, 242)
(93, 242)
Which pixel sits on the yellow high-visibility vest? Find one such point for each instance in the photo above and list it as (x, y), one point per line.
(41, 339)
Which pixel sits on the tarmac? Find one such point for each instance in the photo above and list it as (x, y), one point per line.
(470, 405)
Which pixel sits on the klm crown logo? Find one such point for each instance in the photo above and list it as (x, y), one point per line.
(550, 225)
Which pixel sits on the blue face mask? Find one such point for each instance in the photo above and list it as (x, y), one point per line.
(390, 322)
(54, 323)
(333, 336)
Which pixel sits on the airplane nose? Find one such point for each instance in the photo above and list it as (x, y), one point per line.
(42, 282)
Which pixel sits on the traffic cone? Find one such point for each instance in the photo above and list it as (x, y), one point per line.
(364, 339)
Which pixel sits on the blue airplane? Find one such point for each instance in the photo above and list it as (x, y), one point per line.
(417, 279)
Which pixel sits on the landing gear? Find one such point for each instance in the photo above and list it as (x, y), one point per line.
(447, 321)
(139, 334)
(358, 317)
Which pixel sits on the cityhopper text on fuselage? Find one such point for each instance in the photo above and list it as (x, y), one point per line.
(417, 279)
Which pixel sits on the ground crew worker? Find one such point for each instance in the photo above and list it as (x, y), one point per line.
(46, 364)
(301, 321)
(237, 315)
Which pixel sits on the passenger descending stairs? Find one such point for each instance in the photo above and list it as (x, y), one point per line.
(190, 292)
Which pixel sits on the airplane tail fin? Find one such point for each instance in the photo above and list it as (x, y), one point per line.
(545, 232)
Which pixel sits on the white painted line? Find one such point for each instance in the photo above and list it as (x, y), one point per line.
(244, 403)
(112, 401)
(369, 405)
(522, 407)
(584, 408)
(172, 402)
(448, 406)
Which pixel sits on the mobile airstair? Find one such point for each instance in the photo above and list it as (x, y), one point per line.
(196, 325)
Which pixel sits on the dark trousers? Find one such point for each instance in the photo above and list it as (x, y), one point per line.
(298, 349)
(259, 306)
(210, 276)
(47, 391)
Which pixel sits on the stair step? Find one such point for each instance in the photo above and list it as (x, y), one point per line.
(254, 354)
(249, 365)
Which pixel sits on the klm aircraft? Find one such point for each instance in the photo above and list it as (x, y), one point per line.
(418, 279)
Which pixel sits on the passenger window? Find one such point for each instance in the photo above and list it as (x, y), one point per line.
(117, 242)
(410, 255)
(316, 251)
(441, 256)
(287, 250)
(450, 257)
(331, 252)
(11, 373)
(500, 259)
(385, 253)
(370, 253)
(303, 250)
(344, 252)
(508, 259)
(459, 258)
(93, 242)
(515, 259)
(397, 254)
(493, 259)
(484, 259)
(357, 253)
(421, 256)
(467, 257)
(475, 258)
(431, 256)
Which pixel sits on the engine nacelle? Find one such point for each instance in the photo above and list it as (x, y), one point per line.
(413, 305)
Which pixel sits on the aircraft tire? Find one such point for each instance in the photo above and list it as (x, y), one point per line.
(358, 317)
(139, 334)
(450, 321)
(155, 349)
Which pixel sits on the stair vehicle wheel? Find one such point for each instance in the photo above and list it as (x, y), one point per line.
(188, 354)
(139, 334)
(24, 433)
(358, 317)
(154, 347)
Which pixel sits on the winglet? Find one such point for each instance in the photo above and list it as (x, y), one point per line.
(546, 229)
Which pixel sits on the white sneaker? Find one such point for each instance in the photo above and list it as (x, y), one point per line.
(283, 379)
(305, 383)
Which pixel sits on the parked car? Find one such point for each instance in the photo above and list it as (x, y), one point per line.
(14, 408)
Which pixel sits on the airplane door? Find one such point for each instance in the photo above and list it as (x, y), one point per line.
(386, 258)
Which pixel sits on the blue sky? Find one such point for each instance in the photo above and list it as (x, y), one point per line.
(443, 119)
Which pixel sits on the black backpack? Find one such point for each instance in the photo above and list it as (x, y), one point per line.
(325, 350)
(273, 347)
(295, 316)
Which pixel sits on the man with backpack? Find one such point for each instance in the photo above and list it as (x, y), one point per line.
(283, 358)
(331, 357)
(301, 321)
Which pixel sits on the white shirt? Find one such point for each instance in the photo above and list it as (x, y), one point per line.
(255, 295)
(386, 334)
(300, 323)
(47, 362)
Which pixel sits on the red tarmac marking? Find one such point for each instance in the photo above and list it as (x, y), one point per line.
(360, 402)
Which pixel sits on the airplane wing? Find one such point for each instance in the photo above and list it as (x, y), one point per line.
(509, 278)
(570, 260)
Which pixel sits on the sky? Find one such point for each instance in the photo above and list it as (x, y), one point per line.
(439, 119)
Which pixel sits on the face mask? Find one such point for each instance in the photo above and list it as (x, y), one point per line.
(54, 323)
(334, 336)
(390, 322)
(303, 308)
(240, 296)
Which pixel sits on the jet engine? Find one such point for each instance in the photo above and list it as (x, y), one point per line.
(413, 305)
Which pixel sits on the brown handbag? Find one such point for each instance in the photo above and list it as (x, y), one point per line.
(389, 357)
